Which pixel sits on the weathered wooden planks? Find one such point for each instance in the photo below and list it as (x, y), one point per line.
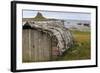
(36, 45)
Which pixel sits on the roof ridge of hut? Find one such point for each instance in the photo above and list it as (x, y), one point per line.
(27, 26)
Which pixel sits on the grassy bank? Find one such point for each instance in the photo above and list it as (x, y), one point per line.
(81, 48)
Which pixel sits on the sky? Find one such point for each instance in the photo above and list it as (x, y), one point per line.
(58, 15)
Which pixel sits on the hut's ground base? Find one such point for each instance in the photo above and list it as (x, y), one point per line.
(80, 50)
